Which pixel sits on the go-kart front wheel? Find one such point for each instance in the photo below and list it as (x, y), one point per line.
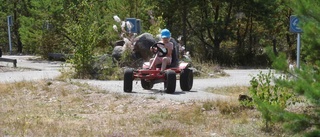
(186, 79)
(170, 82)
(146, 84)
(127, 81)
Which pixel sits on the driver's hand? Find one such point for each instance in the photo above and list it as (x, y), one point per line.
(155, 49)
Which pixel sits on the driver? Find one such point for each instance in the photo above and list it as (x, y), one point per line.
(165, 35)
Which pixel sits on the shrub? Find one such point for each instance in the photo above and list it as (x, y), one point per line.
(266, 94)
(83, 56)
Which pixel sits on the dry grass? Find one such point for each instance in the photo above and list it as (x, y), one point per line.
(207, 70)
(230, 91)
(59, 108)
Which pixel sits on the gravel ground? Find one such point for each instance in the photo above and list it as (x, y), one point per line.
(11, 69)
(198, 92)
(31, 68)
(28, 68)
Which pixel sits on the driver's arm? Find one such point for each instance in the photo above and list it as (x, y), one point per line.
(170, 48)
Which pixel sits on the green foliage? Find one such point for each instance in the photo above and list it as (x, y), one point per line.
(85, 35)
(104, 69)
(304, 81)
(263, 89)
(279, 61)
(313, 133)
(266, 94)
(306, 11)
(29, 36)
(126, 58)
(158, 24)
(227, 32)
(247, 104)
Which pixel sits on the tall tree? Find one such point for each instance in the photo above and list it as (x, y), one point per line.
(4, 6)
(15, 8)
(306, 80)
(224, 31)
(307, 10)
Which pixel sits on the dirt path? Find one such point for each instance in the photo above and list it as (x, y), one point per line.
(50, 70)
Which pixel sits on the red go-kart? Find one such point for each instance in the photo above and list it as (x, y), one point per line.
(150, 77)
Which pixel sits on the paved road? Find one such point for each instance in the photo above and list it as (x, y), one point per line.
(236, 78)
(38, 69)
(50, 70)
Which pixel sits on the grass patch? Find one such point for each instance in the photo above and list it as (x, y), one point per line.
(60, 108)
(151, 97)
(169, 131)
(160, 116)
(228, 107)
(207, 70)
(229, 91)
(191, 116)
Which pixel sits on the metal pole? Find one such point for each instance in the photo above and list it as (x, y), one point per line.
(9, 35)
(298, 49)
(184, 29)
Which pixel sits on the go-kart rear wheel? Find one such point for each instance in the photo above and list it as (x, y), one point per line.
(170, 82)
(186, 79)
(127, 81)
(146, 84)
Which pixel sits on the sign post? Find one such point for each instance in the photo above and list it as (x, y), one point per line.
(10, 23)
(294, 28)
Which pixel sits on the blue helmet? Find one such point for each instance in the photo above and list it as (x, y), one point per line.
(165, 33)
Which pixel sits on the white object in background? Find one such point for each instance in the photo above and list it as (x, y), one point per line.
(116, 18)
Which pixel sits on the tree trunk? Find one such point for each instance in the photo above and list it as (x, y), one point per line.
(16, 28)
(274, 45)
(290, 52)
(217, 53)
(250, 36)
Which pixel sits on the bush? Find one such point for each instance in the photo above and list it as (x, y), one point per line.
(83, 57)
(266, 94)
(85, 33)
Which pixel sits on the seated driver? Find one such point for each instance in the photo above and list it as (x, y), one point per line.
(165, 35)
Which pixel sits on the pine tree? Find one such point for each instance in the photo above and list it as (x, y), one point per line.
(305, 82)
(307, 12)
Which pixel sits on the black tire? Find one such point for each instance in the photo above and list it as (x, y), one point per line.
(186, 80)
(146, 85)
(170, 82)
(127, 81)
(0, 53)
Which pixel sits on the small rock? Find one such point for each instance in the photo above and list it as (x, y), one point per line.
(213, 134)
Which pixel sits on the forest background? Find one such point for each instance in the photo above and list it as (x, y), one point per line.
(226, 32)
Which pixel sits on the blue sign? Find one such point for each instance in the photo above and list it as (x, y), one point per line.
(294, 24)
(136, 25)
(133, 21)
(10, 22)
